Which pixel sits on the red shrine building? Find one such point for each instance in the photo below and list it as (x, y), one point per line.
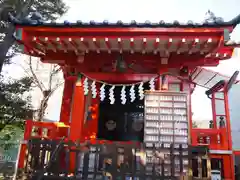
(132, 82)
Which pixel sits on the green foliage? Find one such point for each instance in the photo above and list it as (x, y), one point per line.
(10, 138)
(49, 9)
(11, 134)
(15, 104)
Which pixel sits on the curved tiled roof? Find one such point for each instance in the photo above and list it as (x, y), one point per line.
(210, 22)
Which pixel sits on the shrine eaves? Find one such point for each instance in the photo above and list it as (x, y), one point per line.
(196, 44)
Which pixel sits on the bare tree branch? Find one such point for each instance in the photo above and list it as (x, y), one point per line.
(46, 92)
(56, 87)
(24, 69)
(44, 102)
(39, 84)
(55, 69)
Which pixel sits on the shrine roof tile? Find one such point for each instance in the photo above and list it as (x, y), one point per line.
(215, 23)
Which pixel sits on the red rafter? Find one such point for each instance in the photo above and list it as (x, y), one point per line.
(192, 45)
(85, 43)
(132, 44)
(28, 48)
(68, 42)
(56, 42)
(216, 48)
(169, 44)
(96, 44)
(73, 44)
(46, 42)
(61, 43)
(202, 45)
(65, 44)
(120, 46)
(144, 45)
(108, 45)
(34, 45)
(179, 46)
(156, 45)
(37, 42)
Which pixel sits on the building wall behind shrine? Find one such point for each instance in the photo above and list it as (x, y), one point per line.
(20, 68)
(43, 71)
(234, 106)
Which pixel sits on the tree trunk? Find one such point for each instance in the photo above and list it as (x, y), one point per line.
(42, 108)
(8, 39)
(6, 45)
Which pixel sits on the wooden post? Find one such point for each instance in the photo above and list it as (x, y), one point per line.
(77, 112)
(77, 117)
(66, 100)
(66, 104)
(27, 136)
(230, 162)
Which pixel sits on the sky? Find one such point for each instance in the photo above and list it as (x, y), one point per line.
(153, 10)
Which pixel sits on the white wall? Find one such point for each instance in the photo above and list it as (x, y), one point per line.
(234, 107)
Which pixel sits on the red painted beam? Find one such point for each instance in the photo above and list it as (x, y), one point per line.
(119, 77)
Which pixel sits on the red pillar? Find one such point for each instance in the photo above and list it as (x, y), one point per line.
(228, 123)
(66, 104)
(92, 125)
(77, 112)
(77, 117)
(228, 167)
(23, 150)
(67, 100)
(191, 140)
(229, 135)
(214, 111)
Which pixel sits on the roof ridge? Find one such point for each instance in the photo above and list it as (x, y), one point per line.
(211, 21)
